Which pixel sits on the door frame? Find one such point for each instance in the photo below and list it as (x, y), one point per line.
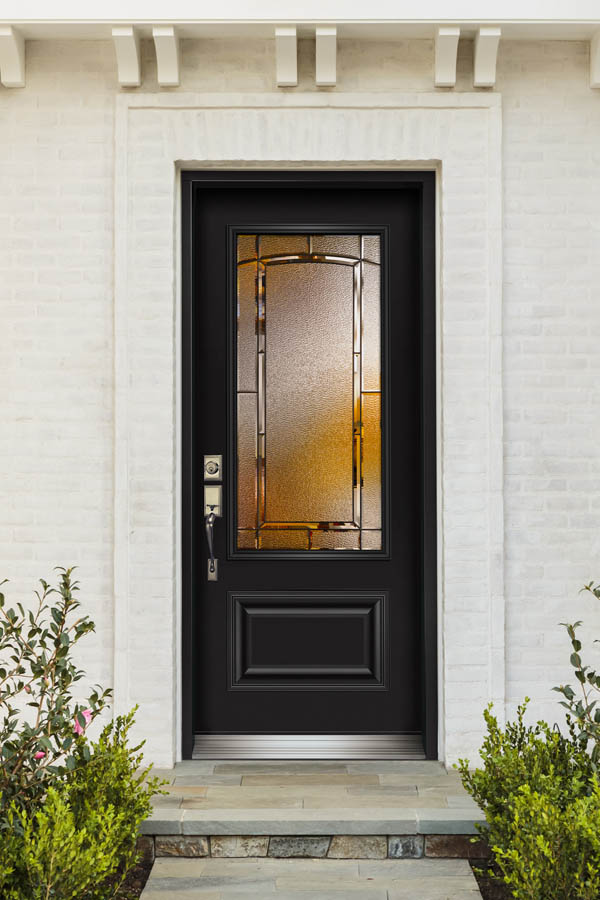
(425, 183)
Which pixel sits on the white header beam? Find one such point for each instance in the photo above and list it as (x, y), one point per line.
(486, 52)
(326, 57)
(12, 57)
(494, 12)
(286, 52)
(166, 43)
(127, 49)
(446, 48)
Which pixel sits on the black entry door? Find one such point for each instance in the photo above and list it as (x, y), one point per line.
(308, 345)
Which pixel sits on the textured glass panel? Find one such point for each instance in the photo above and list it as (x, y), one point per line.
(371, 467)
(371, 247)
(283, 540)
(246, 318)
(309, 429)
(271, 244)
(246, 441)
(246, 540)
(337, 244)
(334, 540)
(309, 390)
(246, 246)
(370, 540)
(371, 349)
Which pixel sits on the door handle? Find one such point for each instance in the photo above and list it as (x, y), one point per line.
(213, 507)
(209, 522)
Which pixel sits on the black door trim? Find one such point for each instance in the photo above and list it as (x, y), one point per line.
(191, 182)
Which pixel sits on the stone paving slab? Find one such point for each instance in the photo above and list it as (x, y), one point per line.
(369, 820)
(308, 778)
(285, 879)
(282, 766)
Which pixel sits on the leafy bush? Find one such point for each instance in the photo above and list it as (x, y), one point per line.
(554, 849)
(55, 853)
(81, 841)
(540, 794)
(538, 757)
(70, 809)
(113, 778)
(37, 673)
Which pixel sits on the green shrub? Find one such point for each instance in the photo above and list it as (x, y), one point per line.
(80, 842)
(70, 809)
(536, 755)
(540, 794)
(37, 674)
(56, 853)
(113, 778)
(534, 783)
(554, 851)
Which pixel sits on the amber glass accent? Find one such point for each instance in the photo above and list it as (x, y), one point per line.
(309, 392)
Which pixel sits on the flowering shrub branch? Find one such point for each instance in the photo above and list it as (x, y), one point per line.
(70, 808)
(584, 711)
(37, 672)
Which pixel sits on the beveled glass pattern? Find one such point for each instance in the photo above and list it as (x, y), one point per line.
(309, 392)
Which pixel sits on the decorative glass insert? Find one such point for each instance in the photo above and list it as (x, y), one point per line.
(308, 392)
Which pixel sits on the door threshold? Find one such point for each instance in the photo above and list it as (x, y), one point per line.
(308, 746)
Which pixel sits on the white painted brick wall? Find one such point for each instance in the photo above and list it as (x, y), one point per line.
(56, 406)
(56, 320)
(551, 365)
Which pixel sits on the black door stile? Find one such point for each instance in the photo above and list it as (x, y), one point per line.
(224, 690)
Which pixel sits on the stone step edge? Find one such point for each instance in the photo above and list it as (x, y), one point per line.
(266, 822)
(338, 846)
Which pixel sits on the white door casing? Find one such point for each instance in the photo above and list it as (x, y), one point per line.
(158, 135)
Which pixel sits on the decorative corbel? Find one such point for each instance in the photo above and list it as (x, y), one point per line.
(127, 49)
(12, 57)
(486, 52)
(446, 48)
(326, 56)
(166, 43)
(286, 53)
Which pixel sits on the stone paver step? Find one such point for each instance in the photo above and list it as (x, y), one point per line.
(329, 820)
(310, 879)
(287, 797)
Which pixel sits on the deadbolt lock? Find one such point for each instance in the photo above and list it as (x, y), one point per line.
(213, 465)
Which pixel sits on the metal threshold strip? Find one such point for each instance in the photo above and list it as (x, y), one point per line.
(308, 746)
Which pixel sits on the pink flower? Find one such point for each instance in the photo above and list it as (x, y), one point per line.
(40, 754)
(87, 715)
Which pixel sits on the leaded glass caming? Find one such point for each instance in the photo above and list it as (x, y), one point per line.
(309, 392)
